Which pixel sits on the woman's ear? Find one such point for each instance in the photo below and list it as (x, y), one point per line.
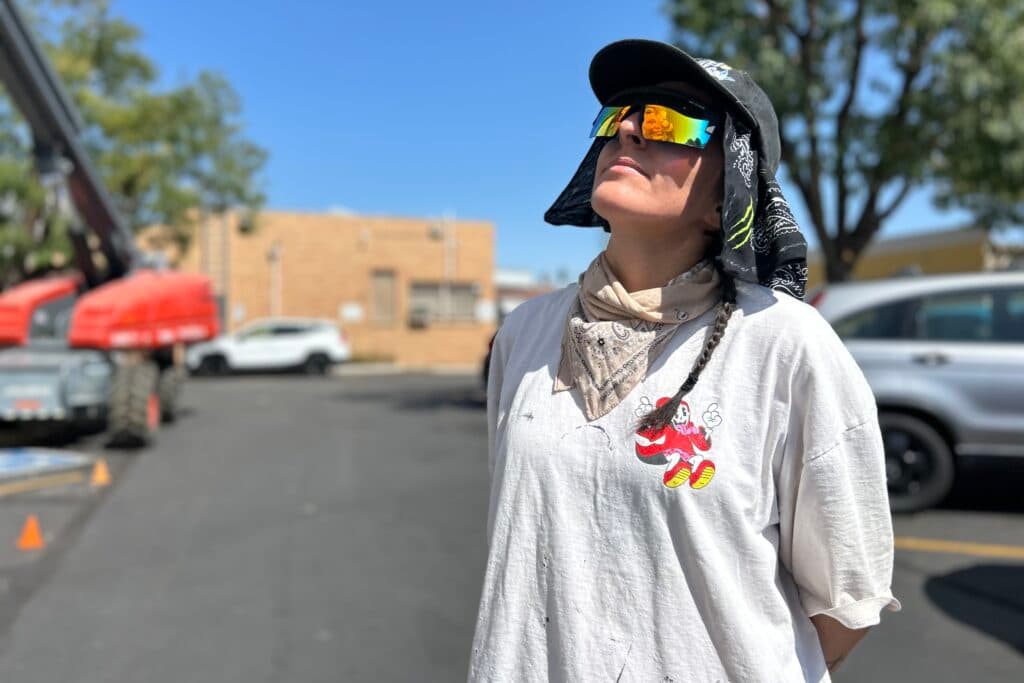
(713, 220)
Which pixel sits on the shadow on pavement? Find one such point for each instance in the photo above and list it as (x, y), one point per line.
(467, 399)
(60, 435)
(49, 435)
(258, 372)
(989, 484)
(989, 598)
(460, 398)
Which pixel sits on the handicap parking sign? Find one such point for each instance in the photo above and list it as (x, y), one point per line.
(24, 462)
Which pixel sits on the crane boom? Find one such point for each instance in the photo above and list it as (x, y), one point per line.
(57, 133)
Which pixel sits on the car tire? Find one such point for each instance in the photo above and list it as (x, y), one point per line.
(317, 364)
(213, 366)
(169, 390)
(134, 415)
(919, 463)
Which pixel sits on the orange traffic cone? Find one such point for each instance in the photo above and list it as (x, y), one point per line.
(100, 474)
(31, 535)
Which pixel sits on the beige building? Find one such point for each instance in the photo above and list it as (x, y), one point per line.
(415, 291)
(944, 251)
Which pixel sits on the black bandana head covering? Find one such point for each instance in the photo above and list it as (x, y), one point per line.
(760, 240)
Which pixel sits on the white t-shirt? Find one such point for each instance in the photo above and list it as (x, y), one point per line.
(608, 563)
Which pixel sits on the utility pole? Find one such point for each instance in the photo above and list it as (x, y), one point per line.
(276, 285)
(225, 266)
(450, 245)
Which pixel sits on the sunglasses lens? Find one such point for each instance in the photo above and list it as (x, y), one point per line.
(667, 125)
(607, 122)
(660, 123)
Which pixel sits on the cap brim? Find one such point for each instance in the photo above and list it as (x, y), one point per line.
(635, 63)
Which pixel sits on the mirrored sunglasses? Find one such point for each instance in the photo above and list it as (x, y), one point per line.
(658, 123)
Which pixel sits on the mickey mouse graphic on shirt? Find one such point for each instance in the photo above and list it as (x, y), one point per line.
(677, 444)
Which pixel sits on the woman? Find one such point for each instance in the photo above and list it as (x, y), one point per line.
(687, 470)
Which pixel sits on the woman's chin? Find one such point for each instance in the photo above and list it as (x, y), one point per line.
(617, 206)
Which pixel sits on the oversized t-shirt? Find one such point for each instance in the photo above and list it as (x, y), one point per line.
(698, 552)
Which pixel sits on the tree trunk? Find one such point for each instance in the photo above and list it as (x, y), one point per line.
(836, 270)
(845, 251)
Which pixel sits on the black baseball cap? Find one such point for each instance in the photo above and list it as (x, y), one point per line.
(635, 63)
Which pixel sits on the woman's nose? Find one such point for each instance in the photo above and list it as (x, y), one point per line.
(629, 129)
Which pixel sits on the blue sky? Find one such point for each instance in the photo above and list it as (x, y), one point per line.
(407, 108)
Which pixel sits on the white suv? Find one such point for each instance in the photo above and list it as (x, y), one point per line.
(311, 346)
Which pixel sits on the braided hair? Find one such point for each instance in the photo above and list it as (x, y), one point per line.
(661, 417)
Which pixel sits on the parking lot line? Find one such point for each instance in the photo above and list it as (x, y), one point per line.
(43, 482)
(929, 545)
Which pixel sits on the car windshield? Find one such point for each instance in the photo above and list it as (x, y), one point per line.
(253, 332)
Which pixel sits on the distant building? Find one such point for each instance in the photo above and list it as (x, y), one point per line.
(943, 251)
(415, 291)
(513, 287)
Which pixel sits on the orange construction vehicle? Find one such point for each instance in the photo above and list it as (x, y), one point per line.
(104, 343)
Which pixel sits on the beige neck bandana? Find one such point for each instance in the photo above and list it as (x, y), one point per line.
(613, 336)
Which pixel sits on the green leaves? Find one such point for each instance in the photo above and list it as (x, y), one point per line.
(167, 155)
(875, 96)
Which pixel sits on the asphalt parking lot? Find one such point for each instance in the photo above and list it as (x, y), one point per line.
(289, 529)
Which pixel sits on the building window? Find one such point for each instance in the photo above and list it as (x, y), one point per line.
(438, 302)
(384, 296)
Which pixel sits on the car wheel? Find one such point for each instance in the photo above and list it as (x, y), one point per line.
(213, 365)
(919, 464)
(317, 364)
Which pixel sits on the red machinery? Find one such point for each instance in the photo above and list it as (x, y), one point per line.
(147, 310)
(19, 303)
(106, 342)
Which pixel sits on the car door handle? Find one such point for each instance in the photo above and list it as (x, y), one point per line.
(931, 358)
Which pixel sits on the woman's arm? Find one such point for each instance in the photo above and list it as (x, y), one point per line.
(835, 527)
(836, 640)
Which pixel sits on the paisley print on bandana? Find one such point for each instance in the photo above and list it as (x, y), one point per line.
(744, 161)
(613, 336)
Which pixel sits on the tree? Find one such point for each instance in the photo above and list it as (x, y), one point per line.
(167, 156)
(878, 97)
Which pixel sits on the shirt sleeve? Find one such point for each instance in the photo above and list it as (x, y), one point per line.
(495, 375)
(496, 413)
(836, 535)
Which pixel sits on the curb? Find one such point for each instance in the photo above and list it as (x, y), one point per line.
(365, 369)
